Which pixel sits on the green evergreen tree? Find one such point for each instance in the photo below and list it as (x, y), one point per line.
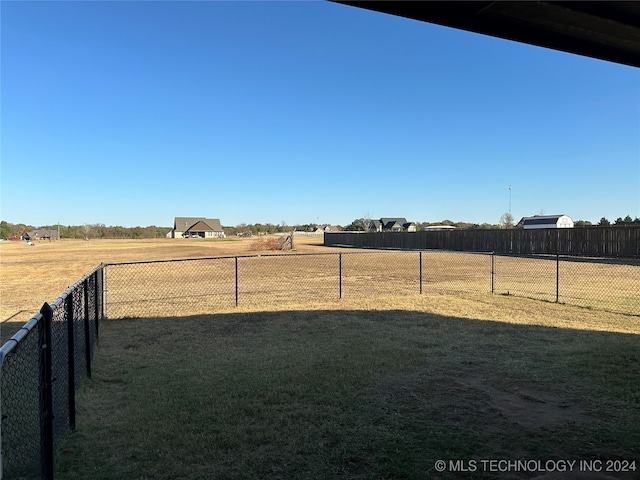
(5, 230)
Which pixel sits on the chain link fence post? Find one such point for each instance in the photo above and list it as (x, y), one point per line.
(71, 356)
(87, 327)
(99, 297)
(236, 259)
(493, 272)
(340, 275)
(420, 273)
(557, 277)
(46, 394)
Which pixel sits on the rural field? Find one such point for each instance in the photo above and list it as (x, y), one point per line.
(382, 383)
(30, 276)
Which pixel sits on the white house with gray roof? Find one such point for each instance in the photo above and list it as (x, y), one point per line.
(196, 227)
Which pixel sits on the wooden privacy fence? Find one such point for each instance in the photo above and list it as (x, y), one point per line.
(593, 241)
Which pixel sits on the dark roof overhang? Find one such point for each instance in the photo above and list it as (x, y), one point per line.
(599, 29)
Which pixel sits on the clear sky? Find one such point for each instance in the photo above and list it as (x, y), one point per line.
(132, 113)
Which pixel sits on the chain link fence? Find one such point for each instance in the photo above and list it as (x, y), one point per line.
(20, 407)
(170, 288)
(603, 283)
(203, 285)
(41, 367)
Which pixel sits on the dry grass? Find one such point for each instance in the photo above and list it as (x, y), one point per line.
(607, 284)
(30, 276)
(166, 289)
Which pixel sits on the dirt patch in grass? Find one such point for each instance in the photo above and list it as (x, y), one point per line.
(484, 394)
(528, 408)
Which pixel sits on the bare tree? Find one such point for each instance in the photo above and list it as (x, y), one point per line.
(506, 220)
(366, 222)
(287, 242)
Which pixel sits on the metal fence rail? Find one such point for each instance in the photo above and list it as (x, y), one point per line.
(41, 367)
(171, 288)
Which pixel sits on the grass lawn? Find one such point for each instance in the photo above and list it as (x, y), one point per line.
(374, 388)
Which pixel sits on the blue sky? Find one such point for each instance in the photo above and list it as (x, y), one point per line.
(132, 113)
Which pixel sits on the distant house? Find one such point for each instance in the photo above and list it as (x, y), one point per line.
(197, 227)
(546, 221)
(328, 228)
(392, 225)
(41, 234)
(375, 226)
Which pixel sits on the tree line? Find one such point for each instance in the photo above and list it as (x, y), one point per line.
(618, 222)
(83, 232)
(506, 221)
(99, 230)
(267, 228)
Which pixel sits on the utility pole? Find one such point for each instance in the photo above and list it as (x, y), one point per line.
(509, 199)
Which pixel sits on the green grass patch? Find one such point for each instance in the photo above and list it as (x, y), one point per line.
(349, 394)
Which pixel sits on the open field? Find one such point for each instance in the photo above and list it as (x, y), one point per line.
(378, 384)
(374, 388)
(30, 276)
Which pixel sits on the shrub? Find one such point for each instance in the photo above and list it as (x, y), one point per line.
(267, 243)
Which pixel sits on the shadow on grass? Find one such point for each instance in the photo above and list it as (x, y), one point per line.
(350, 394)
(10, 325)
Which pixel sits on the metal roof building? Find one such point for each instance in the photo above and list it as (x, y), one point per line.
(547, 221)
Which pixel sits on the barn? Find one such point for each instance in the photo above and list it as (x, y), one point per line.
(547, 221)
